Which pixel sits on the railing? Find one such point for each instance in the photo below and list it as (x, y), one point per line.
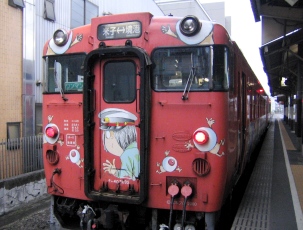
(22, 155)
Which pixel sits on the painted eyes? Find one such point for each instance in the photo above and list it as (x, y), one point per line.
(169, 164)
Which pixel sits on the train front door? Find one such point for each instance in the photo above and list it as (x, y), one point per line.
(116, 118)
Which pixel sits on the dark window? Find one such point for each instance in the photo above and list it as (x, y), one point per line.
(38, 118)
(16, 3)
(119, 82)
(13, 130)
(175, 68)
(64, 73)
(191, 68)
(83, 12)
(49, 10)
(220, 72)
(13, 135)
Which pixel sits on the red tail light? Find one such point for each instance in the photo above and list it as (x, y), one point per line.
(51, 132)
(201, 137)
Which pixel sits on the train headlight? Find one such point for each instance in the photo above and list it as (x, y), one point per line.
(189, 227)
(204, 139)
(60, 37)
(51, 132)
(201, 137)
(190, 26)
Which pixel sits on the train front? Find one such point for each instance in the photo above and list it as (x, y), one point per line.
(137, 123)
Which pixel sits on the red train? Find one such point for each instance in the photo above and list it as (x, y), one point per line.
(149, 122)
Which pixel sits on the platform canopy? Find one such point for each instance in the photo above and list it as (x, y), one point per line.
(281, 51)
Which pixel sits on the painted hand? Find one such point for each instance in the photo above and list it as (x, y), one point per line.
(110, 167)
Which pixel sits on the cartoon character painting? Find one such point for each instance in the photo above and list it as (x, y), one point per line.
(120, 139)
(54, 49)
(204, 36)
(169, 164)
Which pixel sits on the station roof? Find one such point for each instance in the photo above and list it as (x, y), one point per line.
(282, 34)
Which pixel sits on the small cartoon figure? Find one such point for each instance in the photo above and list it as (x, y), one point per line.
(216, 148)
(120, 139)
(169, 164)
(211, 146)
(188, 145)
(74, 157)
(50, 118)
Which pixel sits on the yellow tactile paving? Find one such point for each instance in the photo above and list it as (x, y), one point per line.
(297, 171)
(288, 143)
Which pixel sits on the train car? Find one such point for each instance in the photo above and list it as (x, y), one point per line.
(149, 122)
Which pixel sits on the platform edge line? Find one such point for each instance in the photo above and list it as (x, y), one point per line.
(293, 189)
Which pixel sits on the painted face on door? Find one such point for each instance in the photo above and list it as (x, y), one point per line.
(111, 144)
(120, 139)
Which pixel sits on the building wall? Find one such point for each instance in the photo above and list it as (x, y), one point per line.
(129, 6)
(10, 65)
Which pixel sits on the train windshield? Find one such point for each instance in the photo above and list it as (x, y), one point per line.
(196, 68)
(63, 73)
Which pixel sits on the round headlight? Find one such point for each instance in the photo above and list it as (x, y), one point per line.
(190, 25)
(60, 37)
(201, 137)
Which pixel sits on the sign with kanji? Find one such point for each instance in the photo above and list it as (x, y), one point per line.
(119, 30)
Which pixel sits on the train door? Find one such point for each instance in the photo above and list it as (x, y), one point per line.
(242, 124)
(116, 96)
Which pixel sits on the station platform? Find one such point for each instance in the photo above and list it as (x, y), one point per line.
(273, 198)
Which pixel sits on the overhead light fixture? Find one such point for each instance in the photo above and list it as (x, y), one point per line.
(266, 49)
(291, 2)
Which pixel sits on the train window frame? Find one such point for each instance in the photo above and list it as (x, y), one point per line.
(63, 87)
(109, 93)
(208, 69)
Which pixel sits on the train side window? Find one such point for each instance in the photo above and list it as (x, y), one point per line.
(220, 68)
(119, 84)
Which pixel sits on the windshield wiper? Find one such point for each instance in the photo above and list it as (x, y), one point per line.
(59, 82)
(189, 82)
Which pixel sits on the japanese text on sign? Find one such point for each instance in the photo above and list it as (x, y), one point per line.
(71, 125)
(119, 30)
(71, 140)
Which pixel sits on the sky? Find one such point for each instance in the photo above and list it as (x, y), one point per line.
(246, 33)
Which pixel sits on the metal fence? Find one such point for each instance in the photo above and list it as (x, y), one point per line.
(22, 155)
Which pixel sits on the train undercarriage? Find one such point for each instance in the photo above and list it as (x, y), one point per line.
(75, 214)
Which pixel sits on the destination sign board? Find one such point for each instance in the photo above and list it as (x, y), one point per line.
(73, 86)
(119, 30)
